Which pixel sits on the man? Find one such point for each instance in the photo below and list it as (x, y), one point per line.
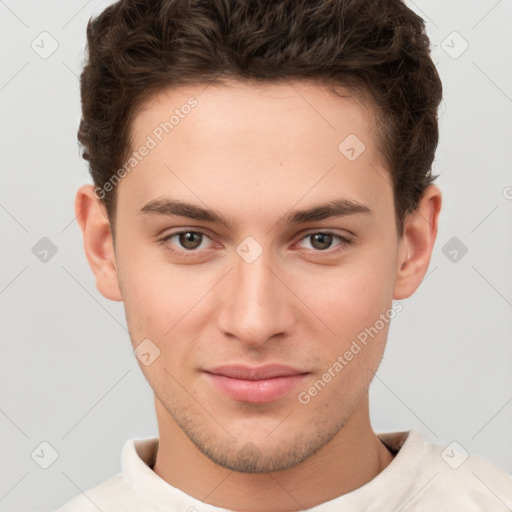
(262, 202)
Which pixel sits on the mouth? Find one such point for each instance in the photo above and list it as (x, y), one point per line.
(255, 384)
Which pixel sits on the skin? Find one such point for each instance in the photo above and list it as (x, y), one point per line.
(255, 153)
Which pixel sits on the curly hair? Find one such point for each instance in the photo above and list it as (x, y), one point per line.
(377, 48)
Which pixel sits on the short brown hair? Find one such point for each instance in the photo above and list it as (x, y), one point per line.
(378, 48)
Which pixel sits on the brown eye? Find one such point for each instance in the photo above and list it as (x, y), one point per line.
(186, 243)
(321, 241)
(190, 239)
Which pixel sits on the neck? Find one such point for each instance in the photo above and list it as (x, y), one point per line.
(351, 459)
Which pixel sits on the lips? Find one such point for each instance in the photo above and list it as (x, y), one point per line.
(255, 384)
(255, 373)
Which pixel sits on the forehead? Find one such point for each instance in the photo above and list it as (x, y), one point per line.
(250, 145)
(265, 108)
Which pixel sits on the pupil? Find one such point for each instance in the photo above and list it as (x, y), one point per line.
(321, 238)
(186, 239)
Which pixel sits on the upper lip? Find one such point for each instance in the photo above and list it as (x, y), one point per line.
(268, 371)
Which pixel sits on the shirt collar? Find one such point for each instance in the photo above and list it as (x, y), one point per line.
(139, 455)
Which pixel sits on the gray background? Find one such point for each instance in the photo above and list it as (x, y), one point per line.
(68, 376)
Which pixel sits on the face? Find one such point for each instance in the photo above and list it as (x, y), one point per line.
(260, 281)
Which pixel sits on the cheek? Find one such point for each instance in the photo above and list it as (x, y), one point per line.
(156, 293)
(167, 306)
(352, 309)
(162, 304)
(347, 298)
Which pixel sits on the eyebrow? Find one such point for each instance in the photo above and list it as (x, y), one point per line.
(175, 207)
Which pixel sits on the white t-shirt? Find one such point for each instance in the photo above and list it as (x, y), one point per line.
(423, 477)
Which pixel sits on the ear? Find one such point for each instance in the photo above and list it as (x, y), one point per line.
(92, 217)
(417, 242)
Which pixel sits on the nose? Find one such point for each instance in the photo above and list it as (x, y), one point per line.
(257, 305)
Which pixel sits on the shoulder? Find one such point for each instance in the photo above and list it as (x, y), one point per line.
(452, 479)
(119, 492)
(111, 495)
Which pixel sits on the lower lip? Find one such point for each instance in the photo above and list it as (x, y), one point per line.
(256, 391)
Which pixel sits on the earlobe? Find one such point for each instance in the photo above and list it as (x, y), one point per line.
(417, 243)
(98, 244)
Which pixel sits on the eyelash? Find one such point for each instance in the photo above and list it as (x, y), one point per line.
(192, 253)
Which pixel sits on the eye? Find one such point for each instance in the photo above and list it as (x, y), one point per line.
(186, 241)
(323, 240)
(189, 243)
